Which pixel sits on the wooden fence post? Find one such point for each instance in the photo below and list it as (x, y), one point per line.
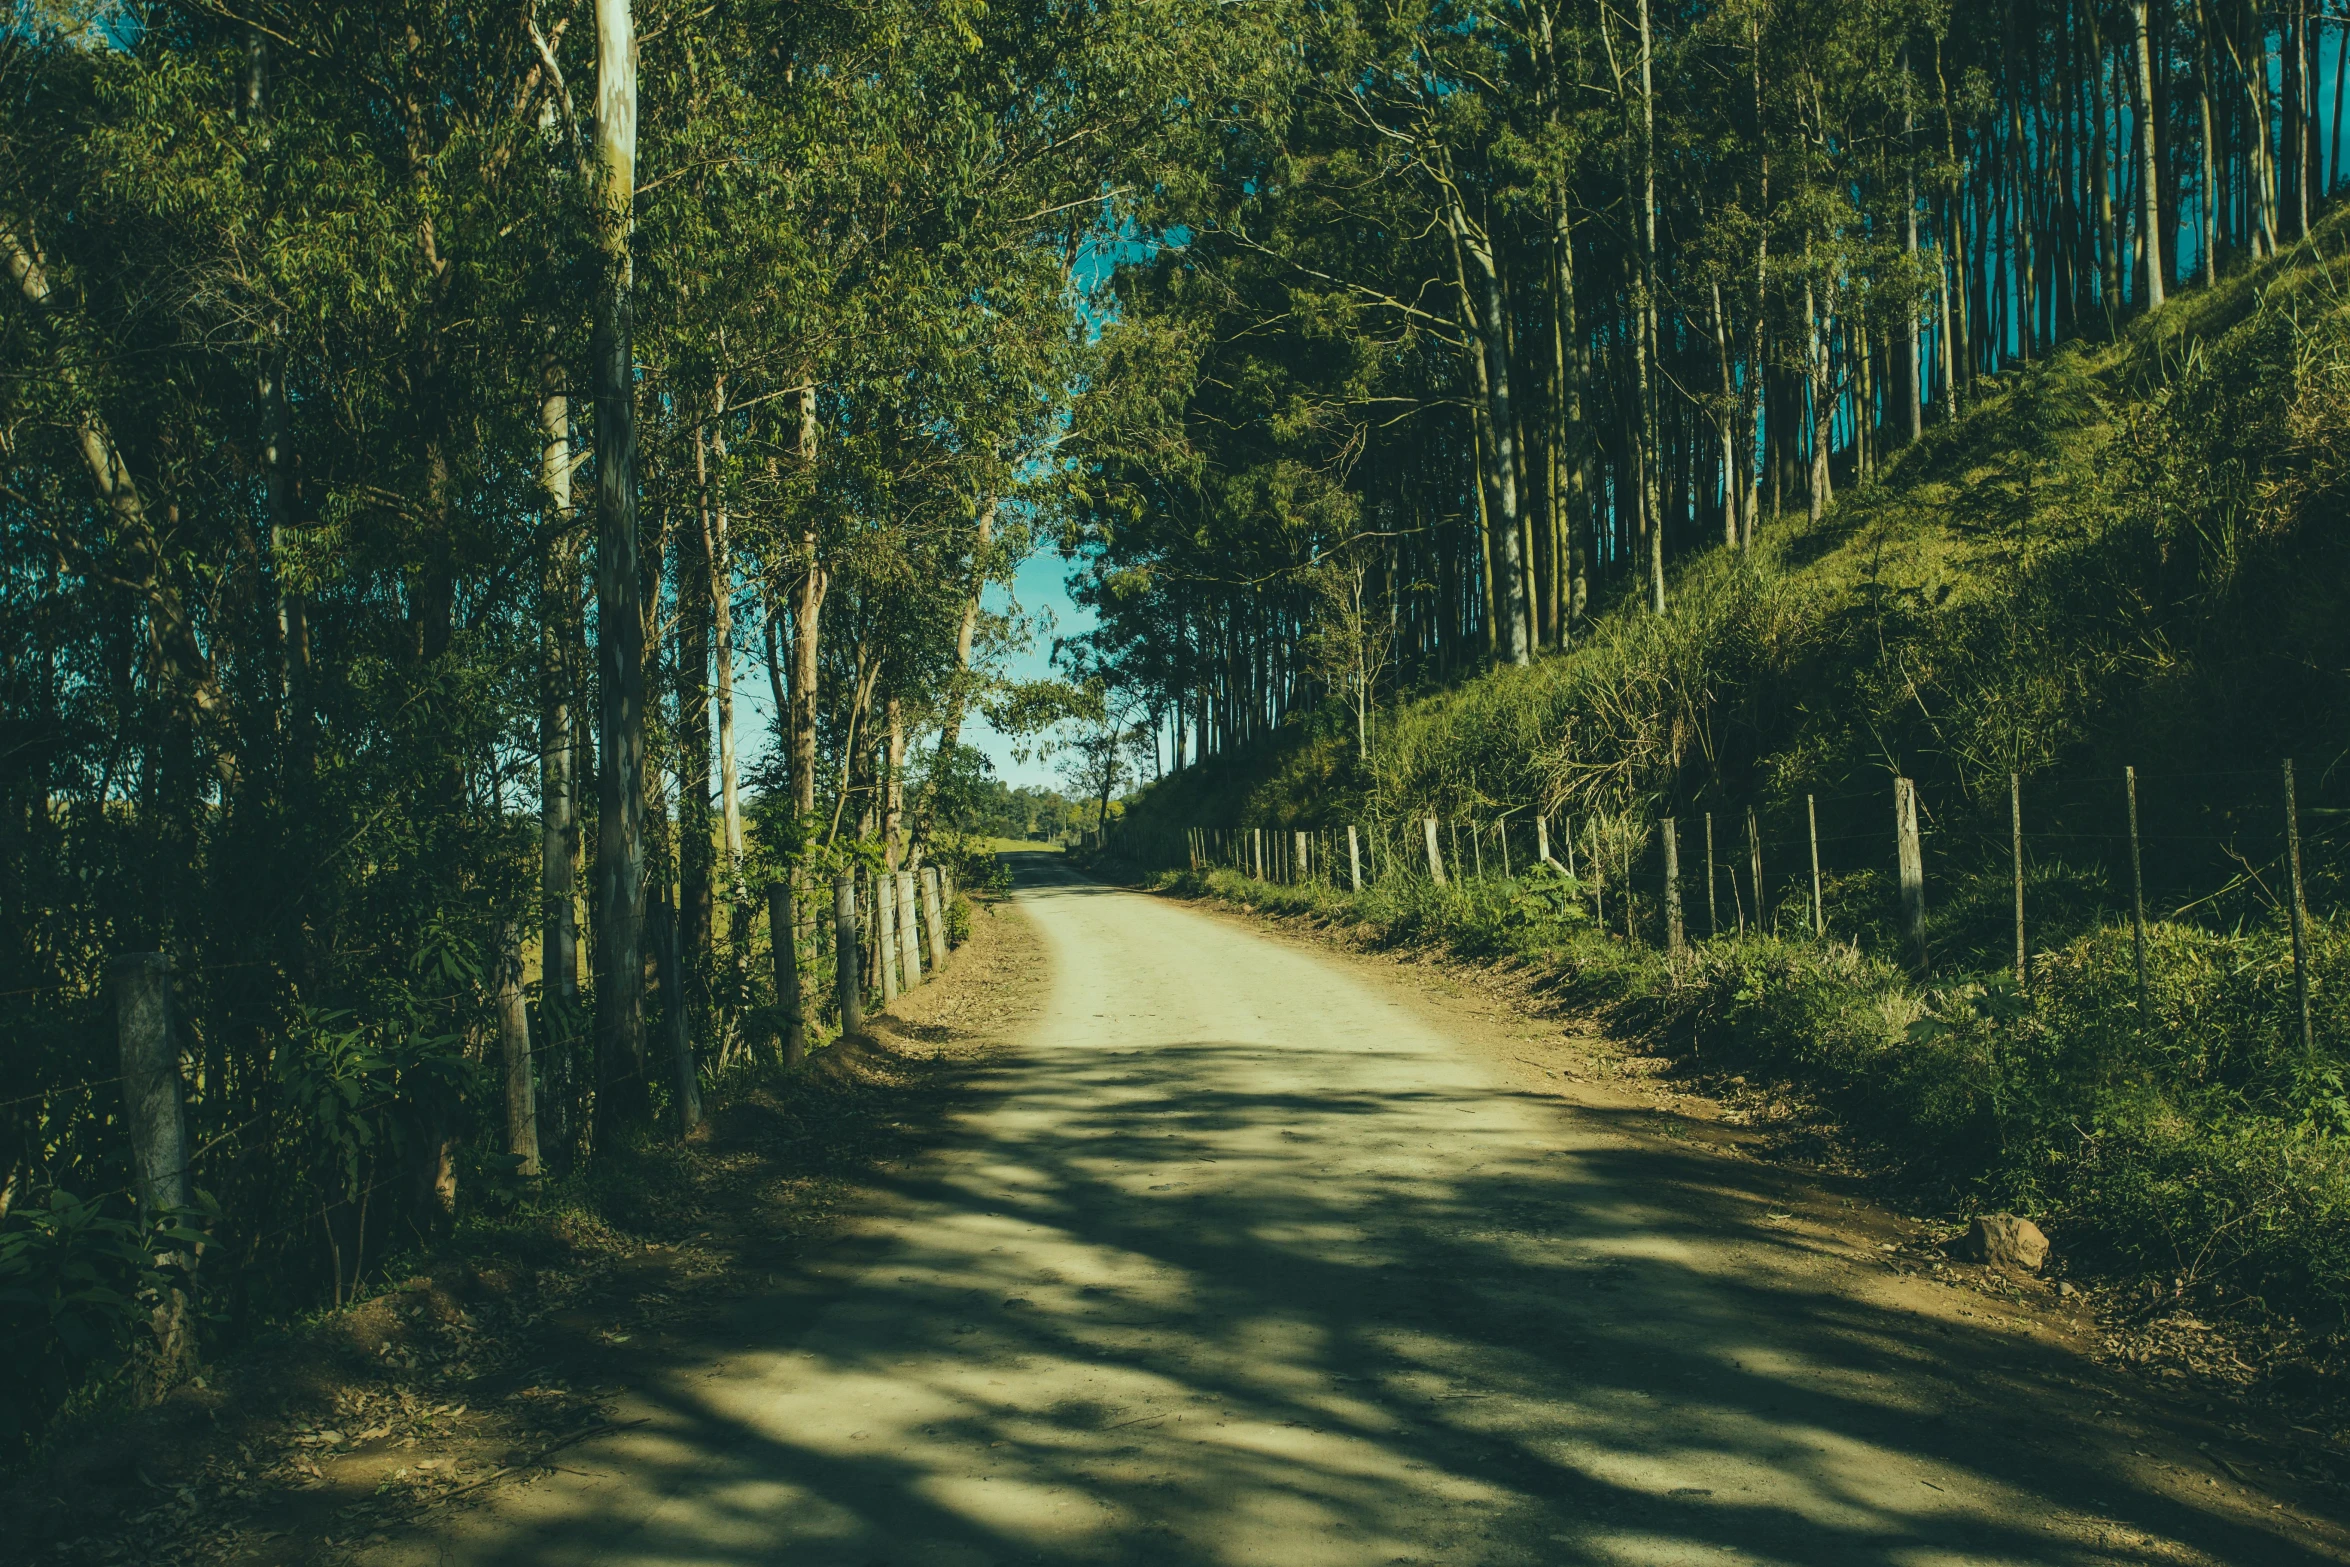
(885, 935)
(1598, 873)
(1762, 902)
(2015, 829)
(1819, 917)
(1911, 858)
(151, 1081)
(157, 1118)
(1303, 870)
(934, 916)
(909, 931)
(1713, 918)
(1672, 889)
(2300, 912)
(1542, 835)
(1435, 859)
(2137, 885)
(1354, 860)
(522, 1110)
(848, 967)
(783, 929)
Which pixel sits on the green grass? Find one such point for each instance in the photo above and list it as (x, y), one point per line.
(2133, 553)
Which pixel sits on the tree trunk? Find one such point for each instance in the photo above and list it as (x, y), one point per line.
(696, 843)
(1647, 323)
(1757, 375)
(1508, 589)
(1914, 367)
(2333, 148)
(1724, 418)
(807, 640)
(522, 1121)
(2149, 173)
(1492, 620)
(893, 786)
(620, 853)
(950, 729)
(559, 633)
(1822, 411)
(719, 548)
(2208, 204)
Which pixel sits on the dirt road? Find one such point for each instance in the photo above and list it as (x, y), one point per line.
(1239, 1255)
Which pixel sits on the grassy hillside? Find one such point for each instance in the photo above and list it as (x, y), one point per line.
(2132, 554)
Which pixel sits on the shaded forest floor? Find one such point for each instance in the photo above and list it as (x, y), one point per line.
(495, 1361)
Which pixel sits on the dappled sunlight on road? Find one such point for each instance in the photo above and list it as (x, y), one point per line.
(1236, 1261)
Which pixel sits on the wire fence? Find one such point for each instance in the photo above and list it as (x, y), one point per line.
(1971, 882)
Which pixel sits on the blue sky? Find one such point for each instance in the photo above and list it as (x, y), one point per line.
(1041, 584)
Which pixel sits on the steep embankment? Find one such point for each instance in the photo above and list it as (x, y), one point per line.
(2132, 554)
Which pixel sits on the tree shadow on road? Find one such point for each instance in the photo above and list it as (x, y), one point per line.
(1168, 1323)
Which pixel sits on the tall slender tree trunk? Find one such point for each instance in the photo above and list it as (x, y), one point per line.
(2149, 171)
(719, 548)
(2207, 201)
(292, 652)
(1724, 418)
(1914, 367)
(950, 729)
(2019, 174)
(2109, 283)
(559, 633)
(1508, 593)
(696, 848)
(807, 640)
(1757, 377)
(1571, 368)
(1491, 620)
(1823, 410)
(1647, 325)
(2333, 147)
(2259, 161)
(2297, 100)
(620, 851)
(893, 786)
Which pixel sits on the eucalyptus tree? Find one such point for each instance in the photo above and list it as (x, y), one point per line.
(1550, 293)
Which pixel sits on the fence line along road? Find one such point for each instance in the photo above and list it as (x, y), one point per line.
(2223, 848)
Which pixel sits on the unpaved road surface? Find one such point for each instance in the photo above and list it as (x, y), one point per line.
(1239, 1255)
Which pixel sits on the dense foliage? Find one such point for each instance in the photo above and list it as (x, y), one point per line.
(1498, 314)
(343, 639)
(2129, 555)
(437, 438)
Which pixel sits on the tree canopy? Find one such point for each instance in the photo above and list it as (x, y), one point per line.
(431, 429)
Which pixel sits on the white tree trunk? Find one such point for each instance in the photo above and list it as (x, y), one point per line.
(620, 858)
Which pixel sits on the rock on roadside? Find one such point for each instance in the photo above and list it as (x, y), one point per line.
(2005, 1241)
